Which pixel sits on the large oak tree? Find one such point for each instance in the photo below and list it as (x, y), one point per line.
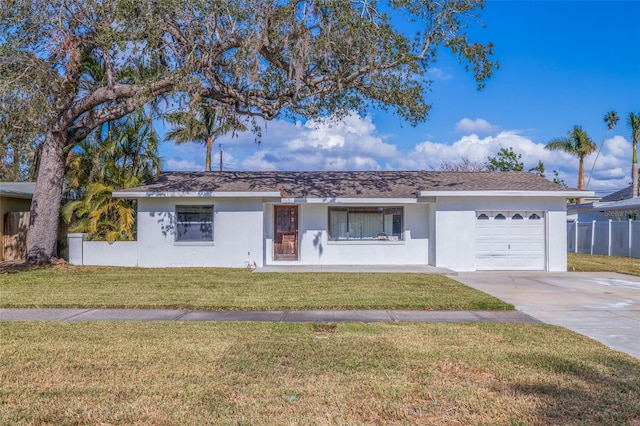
(257, 57)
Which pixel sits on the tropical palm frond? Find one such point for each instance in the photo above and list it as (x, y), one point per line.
(577, 143)
(69, 209)
(81, 225)
(633, 121)
(561, 144)
(111, 236)
(203, 123)
(121, 154)
(126, 216)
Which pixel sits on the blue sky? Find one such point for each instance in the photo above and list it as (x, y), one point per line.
(562, 63)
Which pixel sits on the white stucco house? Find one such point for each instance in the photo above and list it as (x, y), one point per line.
(618, 205)
(456, 220)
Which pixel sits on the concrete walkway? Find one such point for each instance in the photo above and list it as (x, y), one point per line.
(604, 306)
(77, 315)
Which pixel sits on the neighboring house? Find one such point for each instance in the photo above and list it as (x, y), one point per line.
(619, 205)
(621, 210)
(460, 221)
(15, 202)
(584, 212)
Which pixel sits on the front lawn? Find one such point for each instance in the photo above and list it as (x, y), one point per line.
(276, 374)
(234, 289)
(578, 262)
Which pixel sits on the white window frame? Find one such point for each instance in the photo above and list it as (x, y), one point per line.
(344, 233)
(206, 215)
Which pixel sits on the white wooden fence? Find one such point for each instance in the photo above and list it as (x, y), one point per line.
(610, 237)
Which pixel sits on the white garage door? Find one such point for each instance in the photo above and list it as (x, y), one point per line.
(510, 240)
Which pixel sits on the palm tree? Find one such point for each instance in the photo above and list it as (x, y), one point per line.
(578, 143)
(202, 124)
(132, 157)
(633, 121)
(611, 118)
(100, 215)
(122, 154)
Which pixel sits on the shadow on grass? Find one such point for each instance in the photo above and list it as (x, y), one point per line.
(603, 390)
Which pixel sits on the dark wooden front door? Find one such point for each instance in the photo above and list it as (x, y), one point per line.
(285, 246)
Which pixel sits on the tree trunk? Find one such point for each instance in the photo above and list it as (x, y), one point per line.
(581, 174)
(207, 167)
(45, 206)
(634, 180)
(634, 171)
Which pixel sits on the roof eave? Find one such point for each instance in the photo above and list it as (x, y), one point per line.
(618, 205)
(195, 194)
(348, 200)
(507, 193)
(26, 196)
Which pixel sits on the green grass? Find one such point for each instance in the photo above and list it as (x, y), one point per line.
(235, 289)
(277, 374)
(274, 373)
(595, 263)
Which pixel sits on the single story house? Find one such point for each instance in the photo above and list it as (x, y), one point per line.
(15, 202)
(457, 220)
(619, 205)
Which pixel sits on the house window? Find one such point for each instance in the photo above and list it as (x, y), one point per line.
(365, 223)
(194, 223)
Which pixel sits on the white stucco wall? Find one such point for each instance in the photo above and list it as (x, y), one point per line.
(316, 249)
(557, 239)
(455, 228)
(440, 233)
(101, 253)
(584, 213)
(237, 233)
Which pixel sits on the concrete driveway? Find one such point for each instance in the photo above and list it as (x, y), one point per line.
(602, 305)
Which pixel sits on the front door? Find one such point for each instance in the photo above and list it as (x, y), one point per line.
(285, 246)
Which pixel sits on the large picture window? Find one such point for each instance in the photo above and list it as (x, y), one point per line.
(365, 223)
(194, 223)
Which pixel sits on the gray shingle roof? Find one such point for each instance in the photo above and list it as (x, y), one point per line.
(623, 194)
(375, 184)
(17, 189)
(627, 204)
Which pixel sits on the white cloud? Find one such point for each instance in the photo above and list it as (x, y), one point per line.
(429, 155)
(353, 143)
(618, 146)
(436, 73)
(180, 165)
(479, 125)
(347, 144)
(612, 169)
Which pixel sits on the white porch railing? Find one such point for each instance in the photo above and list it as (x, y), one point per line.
(609, 238)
